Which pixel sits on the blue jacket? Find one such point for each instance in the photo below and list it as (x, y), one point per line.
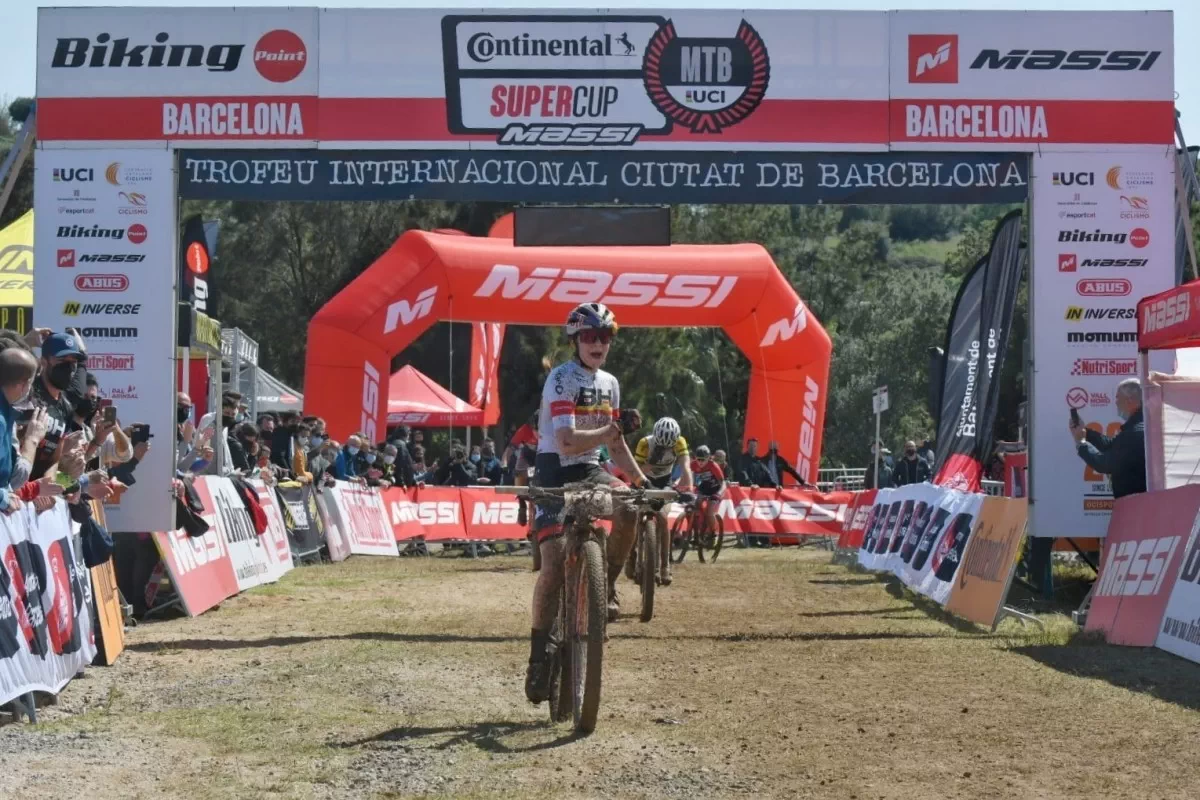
(344, 467)
(8, 418)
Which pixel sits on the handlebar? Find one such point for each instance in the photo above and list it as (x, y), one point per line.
(627, 493)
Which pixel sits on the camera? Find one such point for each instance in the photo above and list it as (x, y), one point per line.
(140, 433)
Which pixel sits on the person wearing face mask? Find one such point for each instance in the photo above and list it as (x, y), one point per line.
(490, 470)
(345, 467)
(911, 468)
(17, 370)
(58, 369)
(300, 446)
(283, 441)
(1121, 457)
(243, 447)
(266, 424)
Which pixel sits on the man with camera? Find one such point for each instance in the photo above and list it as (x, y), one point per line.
(1122, 457)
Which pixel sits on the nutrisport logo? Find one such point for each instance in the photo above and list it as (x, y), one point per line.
(563, 80)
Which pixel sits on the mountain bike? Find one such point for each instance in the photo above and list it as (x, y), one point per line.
(646, 554)
(691, 530)
(576, 647)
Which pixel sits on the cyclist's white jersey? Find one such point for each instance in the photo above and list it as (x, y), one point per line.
(575, 398)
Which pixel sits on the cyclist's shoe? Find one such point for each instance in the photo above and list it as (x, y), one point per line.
(537, 681)
(664, 579)
(614, 607)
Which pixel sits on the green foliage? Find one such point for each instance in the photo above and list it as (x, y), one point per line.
(18, 110)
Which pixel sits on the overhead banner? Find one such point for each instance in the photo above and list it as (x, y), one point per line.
(46, 632)
(644, 79)
(1103, 237)
(603, 176)
(105, 247)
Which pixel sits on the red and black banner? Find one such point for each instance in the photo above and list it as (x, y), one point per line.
(976, 344)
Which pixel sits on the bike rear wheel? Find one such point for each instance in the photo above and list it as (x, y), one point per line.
(586, 616)
(718, 538)
(648, 556)
(681, 531)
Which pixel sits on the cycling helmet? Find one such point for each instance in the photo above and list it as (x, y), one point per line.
(666, 432)
(590, 316)
(703, 452)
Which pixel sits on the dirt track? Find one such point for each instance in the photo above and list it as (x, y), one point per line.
(770, 674)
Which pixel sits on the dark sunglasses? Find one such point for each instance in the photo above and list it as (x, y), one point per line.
(592, 337)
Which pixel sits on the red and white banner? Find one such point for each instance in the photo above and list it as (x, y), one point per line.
(46, 633)
(1180, 629)
(364, 519)
(200, 568)
(650, 79)
(276, 549)
(1147, 540)
(487, 339)
(857, 518)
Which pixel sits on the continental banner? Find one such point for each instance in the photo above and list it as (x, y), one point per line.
(110, 622)
(991, 557)
(46, 634)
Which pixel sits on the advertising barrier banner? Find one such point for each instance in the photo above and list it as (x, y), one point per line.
(991, 556)
(336, 539)
(110, 622)
(857, 518)
(305, 525)
(1143, 552)
(276, 551)
(1104, 236)
(919, 533)
(364, 520)
(1180, 629)
(46, 632)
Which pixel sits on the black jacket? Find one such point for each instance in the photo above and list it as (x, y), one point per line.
(1122, 458)
(906, 472)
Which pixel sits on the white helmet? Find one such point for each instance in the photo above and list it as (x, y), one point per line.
(666, 432)
(590, 316)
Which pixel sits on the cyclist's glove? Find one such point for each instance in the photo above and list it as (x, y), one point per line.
(687, 498)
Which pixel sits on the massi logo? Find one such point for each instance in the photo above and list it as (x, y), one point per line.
(629, 76)
(787, 327)
(403, 312)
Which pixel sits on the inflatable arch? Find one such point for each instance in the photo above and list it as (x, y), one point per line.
(429, 277)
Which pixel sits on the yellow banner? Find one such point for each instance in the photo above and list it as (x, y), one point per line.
(992, 551)
(16, 263)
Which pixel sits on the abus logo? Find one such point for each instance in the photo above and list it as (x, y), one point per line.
(404, 313)
(574, 286)
(1167, 313)
(1115, 287)
(786, 328)
(280, 56)
(101, 283)
(110, 52)
(370, 400)
(808, 427)
(1103, 60)
(932, 58)
(1067, 262)
(1137, 569)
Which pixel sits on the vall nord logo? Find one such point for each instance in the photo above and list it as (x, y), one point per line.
(933, 58)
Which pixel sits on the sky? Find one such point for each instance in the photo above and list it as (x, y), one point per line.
(18, 21)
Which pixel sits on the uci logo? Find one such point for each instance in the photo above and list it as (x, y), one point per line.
(1074, 178)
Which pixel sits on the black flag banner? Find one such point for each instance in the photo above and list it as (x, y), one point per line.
(960, 379)
(305, 528)
(976, 343)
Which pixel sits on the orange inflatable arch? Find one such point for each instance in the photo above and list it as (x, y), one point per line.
(428, 277)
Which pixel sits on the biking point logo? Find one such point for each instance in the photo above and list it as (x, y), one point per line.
(596, 80)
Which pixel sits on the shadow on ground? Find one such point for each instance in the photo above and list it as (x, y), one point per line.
(487, 736)
(288, 641)
(1145, 670)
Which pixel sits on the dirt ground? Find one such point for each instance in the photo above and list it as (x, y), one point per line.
(769, 674)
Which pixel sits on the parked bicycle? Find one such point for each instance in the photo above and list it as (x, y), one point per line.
(576, 648)
(692, 530)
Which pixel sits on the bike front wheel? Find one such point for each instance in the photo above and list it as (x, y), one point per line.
(648, 556)
(586, 618)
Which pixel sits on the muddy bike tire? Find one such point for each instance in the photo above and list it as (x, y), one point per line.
(631, 565)
(560, 666)
(682, 529)
(587, 615)
(718, 538)
(648, 556)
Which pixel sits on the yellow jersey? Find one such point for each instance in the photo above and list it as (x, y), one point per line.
(657, 461)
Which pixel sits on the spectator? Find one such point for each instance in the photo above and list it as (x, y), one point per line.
(490, 470)
(403, 473)
(243, 447)
(719, 459)
(18, 368)
(457, 470)
(124, 472)
(344, 467)
(776, 465)
(61, 357)
(1122, 457)
(283, 441)
(193, 444)
(885, 471)
(421, 473)
(266, 424)
(267, 466)
(301, 441)
(926, 452)
(752, 471)
(322, 461)
(911, 468)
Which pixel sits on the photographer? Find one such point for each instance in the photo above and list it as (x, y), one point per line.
(457, 470)
(58, 368)
(1123, 457)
